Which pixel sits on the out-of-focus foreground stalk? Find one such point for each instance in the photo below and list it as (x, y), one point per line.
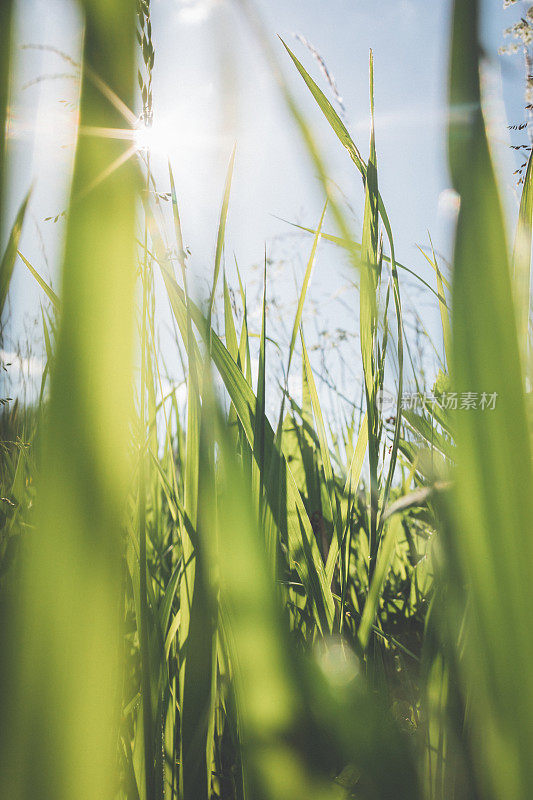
(61, 698)
(6, 9)
(491, 540)
(6, 13)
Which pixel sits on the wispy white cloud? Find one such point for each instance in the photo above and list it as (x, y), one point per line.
(30, 366)
(449, 203)
(194, 12)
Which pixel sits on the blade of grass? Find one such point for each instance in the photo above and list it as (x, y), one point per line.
(229, 324)
(305, 286)
(267, 694)
(490, 536)
(6, 15)
(522, 260)
(221, 235)
(350, 489)
(10, 254)
(444, 313)
(324, 449)
(49, 292)
(348, 244)
(378, 580)
(368, 321)
(260, 467)
(61, 695)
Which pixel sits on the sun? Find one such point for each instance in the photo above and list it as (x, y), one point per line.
(157, 138)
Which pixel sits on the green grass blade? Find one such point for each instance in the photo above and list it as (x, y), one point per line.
(358, 457)
(6, 17)
(378, 580)
(355, 247)
(221, 234)
(10, 254)
(229, 324)
(368, 322)
(260, 467)
(305, 286)
(267, 692)
(350, 489)
(60, 696)
(177, 226)
(346, 140)
(444, 312)
(330, 114)
(341, 132)
(324, 448)
(522, 260)
(493, 510)
(198, 648)
(49, 292)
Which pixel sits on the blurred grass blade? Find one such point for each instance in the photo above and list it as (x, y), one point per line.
(187, 582)
(6, 18)
(193, 775)
(491, 532)
(267, 693)
(63, 687)
(197, 653)
(522, 261)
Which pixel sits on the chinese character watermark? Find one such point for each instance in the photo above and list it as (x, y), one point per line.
(447, 401)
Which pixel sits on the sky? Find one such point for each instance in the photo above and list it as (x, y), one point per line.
(213, 89)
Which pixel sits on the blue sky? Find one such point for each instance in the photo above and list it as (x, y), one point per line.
(212, 88)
